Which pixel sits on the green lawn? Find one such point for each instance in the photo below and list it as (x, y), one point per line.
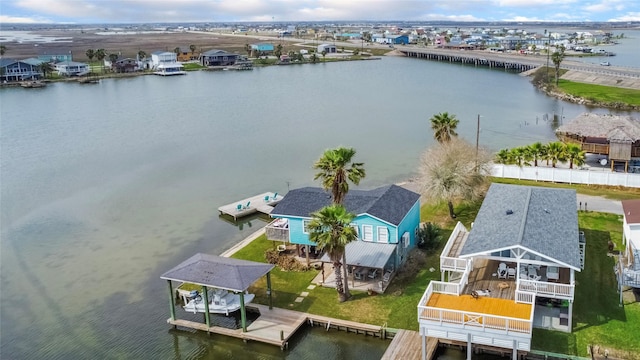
(602, 93)
(598, 319)
(609, 192)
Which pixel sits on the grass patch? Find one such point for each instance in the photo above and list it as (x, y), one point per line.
(601, 93)
(193, 66)
(609, 192)
(598, 318)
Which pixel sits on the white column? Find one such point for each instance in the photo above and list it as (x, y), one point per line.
(424, 347)
(468, 346)
(514, 356)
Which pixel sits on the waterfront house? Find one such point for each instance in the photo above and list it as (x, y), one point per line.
(72, 68)
(19, 70)
(514, 270)
(218, 58)
(628, 269)
(186, 54)
(261, 49)
(55, 55)
(387, 220)
(617, 136)
(122, 65)
(166, 63)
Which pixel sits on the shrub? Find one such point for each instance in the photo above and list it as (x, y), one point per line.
(284, 262)
(429, 236)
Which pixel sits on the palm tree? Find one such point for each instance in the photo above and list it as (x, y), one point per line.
(557, 58)
(444, 126)
(3, 49)
(336, 169)
(142, 55)
(314, 58)
(324, 54)
(330, 228)
(177, 50)
(192, 48)
(537, 151)
(90, 54)
(46, 69)
(335, 174)
(556, 152)
(521, 156)
(278, 51)
(100, 55)
(574, 155)
(503, 156)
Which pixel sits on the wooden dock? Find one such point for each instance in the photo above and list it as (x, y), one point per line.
(406, 345)
(263, 203)
(277, 326)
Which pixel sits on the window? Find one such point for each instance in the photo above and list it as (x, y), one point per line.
(383, 234)
(406, 239)
(367, 232)
(305, 226)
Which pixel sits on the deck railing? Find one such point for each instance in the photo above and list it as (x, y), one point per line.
(547, 289)
(451, 263)
(467, 319)
(276, 233)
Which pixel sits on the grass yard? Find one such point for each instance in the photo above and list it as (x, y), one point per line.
(601, 93)
(598, 318)
(609, 192)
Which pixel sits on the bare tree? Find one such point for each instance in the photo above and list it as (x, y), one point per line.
(454, 170)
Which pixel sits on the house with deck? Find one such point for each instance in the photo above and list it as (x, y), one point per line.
(19, 70)
(512, 271)
(166, 63)
(616, 136)
(628, 267)
(387, 220)
(218, 58)
(72, 68)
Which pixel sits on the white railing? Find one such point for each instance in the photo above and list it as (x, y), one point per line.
(447, 287)
(562, 175)
(548, 289)
(525, 297)
(469, 319)
(453, 264)
(452, 239)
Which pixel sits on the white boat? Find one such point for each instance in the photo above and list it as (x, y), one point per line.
(220, 302)
(605, 63)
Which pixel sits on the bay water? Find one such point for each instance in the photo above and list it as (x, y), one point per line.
(105, 187)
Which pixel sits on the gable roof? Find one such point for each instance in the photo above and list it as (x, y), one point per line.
(216, 52)
(604, 126)
(631, 209)
(389, 203)
(219, 272)
(543, 220)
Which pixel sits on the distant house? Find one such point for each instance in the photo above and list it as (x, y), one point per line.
(56, 56)
(513, 271)
(123, 65)
(398, 39)
(72, 68)
(261, 49)
(327, 48)
(19, 70)
(165, 63)
(617, 136)
(186, 54)
(218, 58)
(387, 221)
(628, 270)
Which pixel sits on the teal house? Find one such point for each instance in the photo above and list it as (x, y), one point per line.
(387, 220)
(262, 49)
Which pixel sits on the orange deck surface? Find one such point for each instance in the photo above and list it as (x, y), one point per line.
(481, 305)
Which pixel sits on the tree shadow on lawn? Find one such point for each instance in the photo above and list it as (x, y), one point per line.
(596, 297)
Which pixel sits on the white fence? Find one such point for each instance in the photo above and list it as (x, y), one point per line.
(561, 175)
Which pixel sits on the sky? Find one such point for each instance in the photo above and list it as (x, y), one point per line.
(146, 11)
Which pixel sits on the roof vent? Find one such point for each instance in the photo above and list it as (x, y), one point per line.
(547, 211)
(509, 212)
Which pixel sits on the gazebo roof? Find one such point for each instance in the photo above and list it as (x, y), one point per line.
(614, 128)
(219, 272)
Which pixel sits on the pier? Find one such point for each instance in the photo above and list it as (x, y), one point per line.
(406, 345)
(262, 203)
(276, 326)
(479, 58)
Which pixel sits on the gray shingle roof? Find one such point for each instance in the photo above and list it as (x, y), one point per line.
(220, 272)
(543, 220)
(389, 203)
(366, 254)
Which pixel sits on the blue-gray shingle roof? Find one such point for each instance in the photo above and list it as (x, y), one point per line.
(217, 271)
(543, 220)
(389, 203)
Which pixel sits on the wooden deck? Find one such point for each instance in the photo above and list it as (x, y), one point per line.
(481, 305)
(277, 326)
(263, 203)
(406, 345)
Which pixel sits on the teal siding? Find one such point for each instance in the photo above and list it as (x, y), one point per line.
(368, 220)
(410, 223)
(296, 232)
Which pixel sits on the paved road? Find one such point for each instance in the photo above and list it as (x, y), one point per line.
(598, 203)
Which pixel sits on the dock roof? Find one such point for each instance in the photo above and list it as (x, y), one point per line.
(389, 203)
(543, 220)
(219, 272)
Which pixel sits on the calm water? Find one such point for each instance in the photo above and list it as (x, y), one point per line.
(105, 187)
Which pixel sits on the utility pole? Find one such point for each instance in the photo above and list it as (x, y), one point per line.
(477, 141)
(548, 50)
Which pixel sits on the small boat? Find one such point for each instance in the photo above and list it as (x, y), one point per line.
(32, 84)
(89, 80)
(220, 301)
(605, 63)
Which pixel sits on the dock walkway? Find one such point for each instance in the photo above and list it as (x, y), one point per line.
(406, 345)
(263, 203)
(277, 326)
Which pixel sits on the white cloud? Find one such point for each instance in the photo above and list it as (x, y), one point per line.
(533, 4)
(631, 16)
(4, 19)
